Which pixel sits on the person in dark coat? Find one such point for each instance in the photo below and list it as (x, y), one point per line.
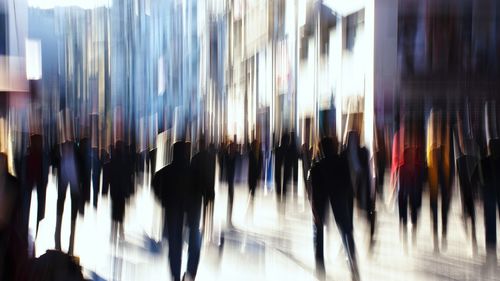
(96, 163)
(203, 168)
(106, 169)
(359, 168)
(37, 174)
(180, 195)
(118, 186)
(13, 246)
(279, 159)
(255, 162)
(407, 175)
(290, 164)
(306, 156)
(85, 170)
(230, 167)
(490, 179)
(67, 175)
(331, 183)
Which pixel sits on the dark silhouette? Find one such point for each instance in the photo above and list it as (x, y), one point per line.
(55, 266)
(67, 175)
(37, 175)
(119, 184)
(179, 195)
(230, 167)
(85, 170)
(407, 174)
(439, 171)
(203, 168)
(359, 168)
(290, 165)
(331, 183)
(279, 159)
(13, 244)
(255, 163)
(97, 163)
(490, 180)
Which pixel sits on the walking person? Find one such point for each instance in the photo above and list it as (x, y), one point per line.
(439, 171)
(230, 167)
(67, 175)
(180, 195)
(331, 184)
(203, 168)
(255, 162)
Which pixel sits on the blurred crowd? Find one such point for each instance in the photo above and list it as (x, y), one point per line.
(431, 151)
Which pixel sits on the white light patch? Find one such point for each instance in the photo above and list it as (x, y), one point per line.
(33, 59)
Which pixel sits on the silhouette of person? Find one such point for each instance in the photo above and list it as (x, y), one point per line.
(490, 180)
(67, 175)
(290, 164)
(359, 167)
(255, 163)
(37, 174)
(203, 168)
(306, 156)
(13, 246)
(120, 180)
(408, 169)
(439, 171)
(230, 166)
(331, 183)
(96, 160)
(179, 195)
(85, 170)
(467, 169)
(279, 159)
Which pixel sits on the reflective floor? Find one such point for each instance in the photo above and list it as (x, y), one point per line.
(265, 247)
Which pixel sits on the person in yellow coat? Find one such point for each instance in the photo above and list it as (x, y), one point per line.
(438, 152)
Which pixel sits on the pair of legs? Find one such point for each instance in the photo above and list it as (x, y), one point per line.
(409, 195)
(230, 200)
(175, 222)
(439, 182)
(342, 208)
(491, 190)
(467, 192)
(62, 187)
(96, 176)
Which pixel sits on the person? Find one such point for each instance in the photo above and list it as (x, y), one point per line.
(37, 175)
(380, 162)
(439, 172)
(13, 246)
(490, 180)
(118, 189)
(67, 175)
(179, 195)
(407, 175)
(290, 164)
(203, 168)
(331, 183)
(306, 156)
(279, 159)
(85, 170)
(96, 160)
(230, 167)
(359, 168)
(255, 163)
(467, 169)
